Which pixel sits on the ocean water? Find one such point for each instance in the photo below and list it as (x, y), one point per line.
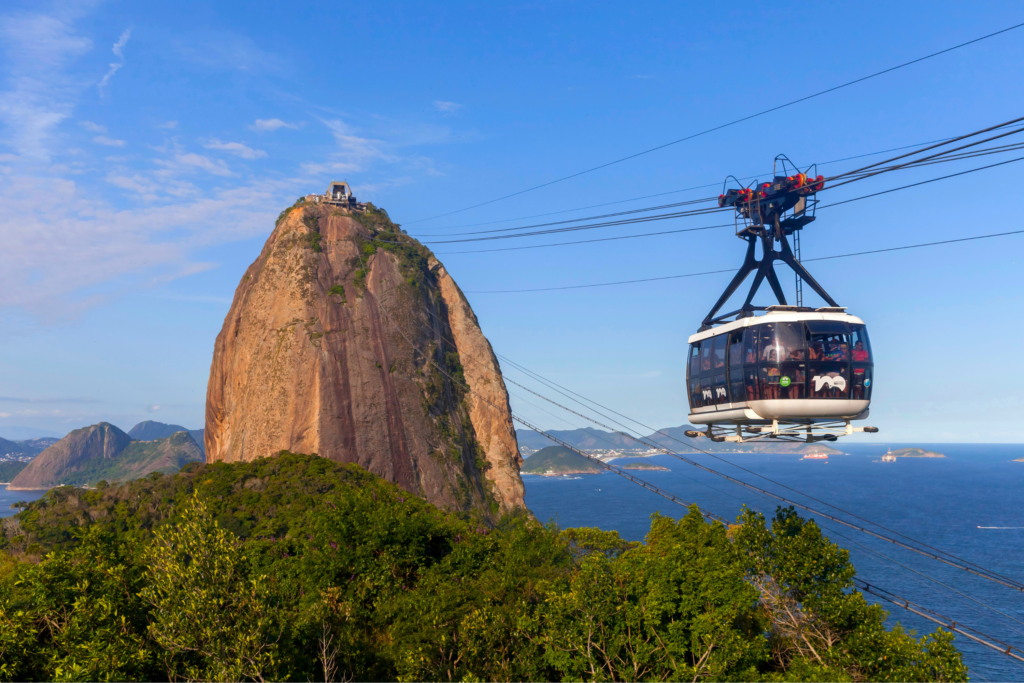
(941, 502)
(8, 497)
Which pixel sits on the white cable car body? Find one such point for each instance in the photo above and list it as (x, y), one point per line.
(793, 373)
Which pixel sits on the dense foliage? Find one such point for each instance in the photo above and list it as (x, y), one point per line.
(298, 568)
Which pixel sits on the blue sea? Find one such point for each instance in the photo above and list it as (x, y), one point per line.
(941, 502)
(8, 497)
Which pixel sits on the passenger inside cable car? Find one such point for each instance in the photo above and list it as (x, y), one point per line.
(817, 359)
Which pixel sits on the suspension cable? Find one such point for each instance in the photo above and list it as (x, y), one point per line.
(725, 125)
(946, 622)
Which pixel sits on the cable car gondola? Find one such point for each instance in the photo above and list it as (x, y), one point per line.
(792, 372)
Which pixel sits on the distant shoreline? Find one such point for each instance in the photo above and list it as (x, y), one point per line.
(558, 474)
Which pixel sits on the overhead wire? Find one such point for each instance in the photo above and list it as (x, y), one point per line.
(597, 239)
(946, 622)
(662, 194)
(732, 270)
(866, 171)
(724, 125)
(700, 212)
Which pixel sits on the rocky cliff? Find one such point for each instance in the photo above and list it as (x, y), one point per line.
(346, 338)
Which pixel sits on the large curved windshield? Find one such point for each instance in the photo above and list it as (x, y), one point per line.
(817, 359)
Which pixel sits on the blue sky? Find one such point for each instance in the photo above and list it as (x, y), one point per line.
(146, 148)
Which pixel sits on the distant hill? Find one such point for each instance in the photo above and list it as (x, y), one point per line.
(580, 438)
(151, 430)
(558, 460)
(915, 453)
(103, 452)
(11, 450)
(10, 469)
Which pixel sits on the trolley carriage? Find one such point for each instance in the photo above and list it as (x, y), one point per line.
(794, 373)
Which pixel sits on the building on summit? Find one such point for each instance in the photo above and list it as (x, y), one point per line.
(339, 193)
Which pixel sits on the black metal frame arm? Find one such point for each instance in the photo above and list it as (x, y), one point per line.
(765, 270)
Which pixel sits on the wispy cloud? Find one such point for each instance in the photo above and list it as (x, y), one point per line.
(72, 251)
(94, 127)
(448, 107)
(168, 125)
(118, 51)
(270, 125)
(227, 50)
(236, 148)
(41, 95)
(110, 142)
(386, 147)
(192, 161)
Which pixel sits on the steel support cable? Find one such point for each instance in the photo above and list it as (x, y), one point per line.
(940, 156)
(941, 143)
(689, 202)
(724, 125)
(988, 151)
(590, 226)
(733, 270)
(658, 217)
(711, 199)
(957, 156)
(662, 194)
(598, 239)
(923, 182)
(885, 557)
(946, 622)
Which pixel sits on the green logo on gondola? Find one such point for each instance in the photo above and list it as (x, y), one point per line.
(785, 381)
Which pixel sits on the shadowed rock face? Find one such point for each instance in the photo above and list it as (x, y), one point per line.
(325, 350)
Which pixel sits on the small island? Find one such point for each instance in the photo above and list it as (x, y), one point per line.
(1019, 460)
(643, 466)
(915, 453)
(554, 461)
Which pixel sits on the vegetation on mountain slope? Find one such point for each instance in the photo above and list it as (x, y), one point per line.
(558, 460)
(298, 568)
(10, 469)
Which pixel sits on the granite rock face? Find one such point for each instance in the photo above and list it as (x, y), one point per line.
(346, 339)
